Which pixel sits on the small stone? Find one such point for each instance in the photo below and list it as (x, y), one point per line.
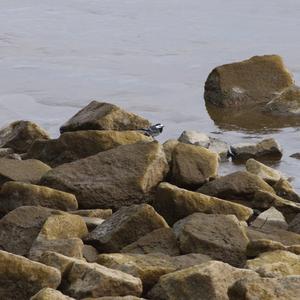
(50, 294)
(195, 138)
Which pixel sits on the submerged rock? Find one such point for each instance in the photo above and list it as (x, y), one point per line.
(71, 146)
(122, 176)
(104, 116)
(20, 135)
(248, 82)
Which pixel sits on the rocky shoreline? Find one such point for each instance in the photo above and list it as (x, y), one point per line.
(106, 212)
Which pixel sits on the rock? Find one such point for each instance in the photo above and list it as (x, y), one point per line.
(93, 213)
(93, 280)
(169, 146)
(270, 218)
(50, 294)
(90, 253)
(125, 226)
(7, 153)
(104, 116)
(71, 146)
(220, 147)
(128, 175)
(266, 173)
(20, 135)
(277, 263)
(267, 148)
(285, 190)
(287, 103)
(162, 240)
(266, 288)
(209, 280)
(256, 247)
(236, 186)
(247, 83)
(295, 224)
(296, 155)
(284, 237)
(21, 278)
(14, 194)
(92, 223)
(174, 203)
(221, 237)
(149, 268)
(192, 165)
(29, 171)
(20, 227)
(264, 200)
(195, 138)
(115, 298)
(72, 247)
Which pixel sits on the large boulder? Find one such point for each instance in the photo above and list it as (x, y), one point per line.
(287, 103)
(71, 146)
(125, 226)
(277, 263)
(221, 237)
(265, 149)
(104, 116)
(21, 278)
(161, 240)
(113, 178)
(20, 135)
(29, 171)
(239, 185)
(20, 228)
(14, 194)
(209, 280)
(248, 82)
(266, 288)
(193, 165)
(174, 203)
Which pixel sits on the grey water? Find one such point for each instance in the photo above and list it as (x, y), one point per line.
(149, 57)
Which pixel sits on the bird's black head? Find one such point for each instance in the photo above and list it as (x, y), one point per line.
(159, 126)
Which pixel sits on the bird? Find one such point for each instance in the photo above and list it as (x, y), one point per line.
(153, 130)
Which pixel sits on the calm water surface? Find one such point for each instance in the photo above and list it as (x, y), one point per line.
(150, 57)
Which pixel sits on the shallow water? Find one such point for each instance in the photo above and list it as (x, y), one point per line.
(150, 57)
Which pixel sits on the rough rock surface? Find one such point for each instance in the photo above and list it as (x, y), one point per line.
(277, 263)
(29, 171)
(284, 189)
(15, 194)
(162, 240)
(235, 186)
(169, 147)
(266, 173)
(195, 138)
(221, 237)
(209, 280)
(20, 227)
(128, 175)
(20, 135)
(267, 148)
(104, 116)
(174, 203)
(294, 225)
(287, 103)
(93, 213)
(71, 146)
(266, 288)
(21, 278)
(50, 294)
(125, 226)
(248, 82)
(193, 165)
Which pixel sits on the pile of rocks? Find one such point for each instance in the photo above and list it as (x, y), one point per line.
(105, 212)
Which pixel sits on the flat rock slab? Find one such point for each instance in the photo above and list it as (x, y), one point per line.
(29, 171)
(71, 146)
(114, 178)
(174, 203)
(104, 116)
(21, 278)
(221, 237)
(125, 226)
(20, 135)
(14, 194)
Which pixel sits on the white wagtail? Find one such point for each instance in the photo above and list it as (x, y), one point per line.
(153, 130)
